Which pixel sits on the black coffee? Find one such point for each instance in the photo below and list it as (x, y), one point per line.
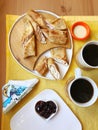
(81, 90)
(90, 54)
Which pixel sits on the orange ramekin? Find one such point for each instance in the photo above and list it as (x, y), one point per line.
(85, 26)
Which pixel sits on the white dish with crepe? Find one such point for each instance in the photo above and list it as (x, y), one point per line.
(27, 118)
(29, 63)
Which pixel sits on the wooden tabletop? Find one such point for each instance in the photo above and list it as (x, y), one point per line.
(60, 7)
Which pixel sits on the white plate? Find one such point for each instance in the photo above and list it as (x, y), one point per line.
(63, 68)
(28, 119)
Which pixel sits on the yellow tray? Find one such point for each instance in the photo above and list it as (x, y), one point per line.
(87, 116)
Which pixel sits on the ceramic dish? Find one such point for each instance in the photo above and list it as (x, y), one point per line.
(43, 50)
(46, 109)
(80, 30)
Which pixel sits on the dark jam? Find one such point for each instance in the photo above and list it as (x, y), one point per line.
(45, 109)
(81, 91)
(90, 54)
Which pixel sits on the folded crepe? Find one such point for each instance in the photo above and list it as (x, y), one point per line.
(41, 66)
(59, 24)
(59, 54)
(56, 36)
(28, 39)
(38, 18)
(37, 30)
(53, 68)
(28, 30)
(29, 47)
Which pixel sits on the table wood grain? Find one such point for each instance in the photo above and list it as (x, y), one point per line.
(60, 7)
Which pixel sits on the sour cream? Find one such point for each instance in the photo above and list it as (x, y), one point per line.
(80, 31)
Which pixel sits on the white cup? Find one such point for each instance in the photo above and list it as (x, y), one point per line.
(87, 57)
(82, 90)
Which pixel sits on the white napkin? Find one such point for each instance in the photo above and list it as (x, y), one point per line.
(16, 90)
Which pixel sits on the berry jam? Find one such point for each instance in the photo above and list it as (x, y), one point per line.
(45, 109)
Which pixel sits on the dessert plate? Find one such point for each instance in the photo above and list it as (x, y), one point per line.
(27, 118)
(16, 47)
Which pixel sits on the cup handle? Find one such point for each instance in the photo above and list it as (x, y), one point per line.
(77, 73)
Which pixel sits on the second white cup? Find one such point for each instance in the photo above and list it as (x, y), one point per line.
(82, 90)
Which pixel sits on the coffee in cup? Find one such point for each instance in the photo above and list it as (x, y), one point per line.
(88, 55)
(82, 90)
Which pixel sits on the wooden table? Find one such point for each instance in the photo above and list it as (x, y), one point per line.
(60, 7)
